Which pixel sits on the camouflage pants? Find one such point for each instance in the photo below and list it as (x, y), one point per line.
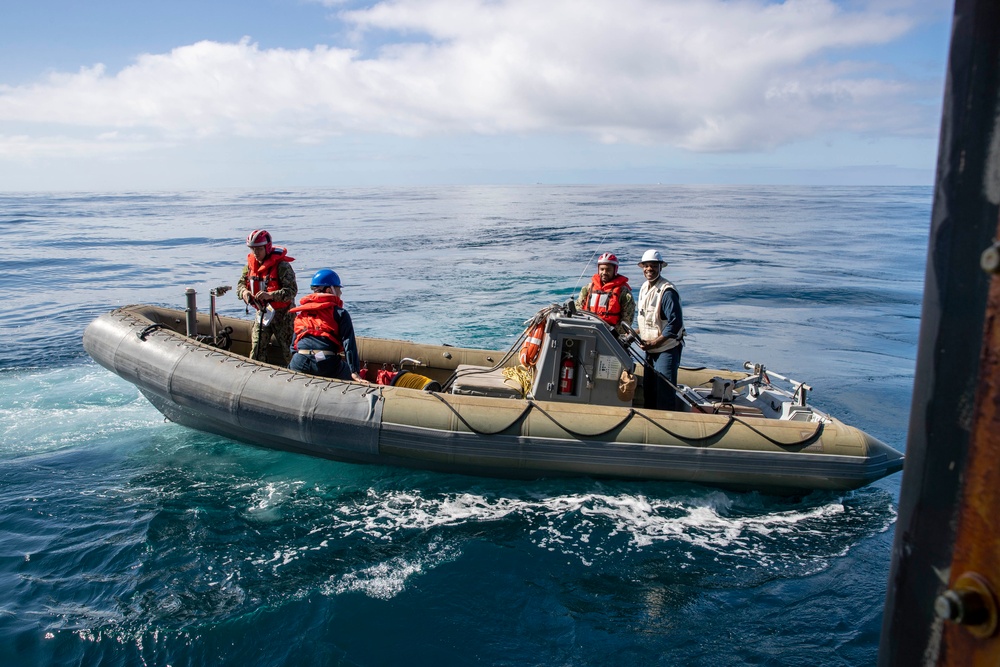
(281, 330)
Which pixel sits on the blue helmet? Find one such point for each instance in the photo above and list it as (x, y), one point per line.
(325, 278)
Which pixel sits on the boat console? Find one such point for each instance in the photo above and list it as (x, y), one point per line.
(579, 361)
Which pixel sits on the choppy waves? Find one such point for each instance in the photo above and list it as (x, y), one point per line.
(130, 540)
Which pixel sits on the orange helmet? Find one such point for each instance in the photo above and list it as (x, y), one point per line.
(607, 258)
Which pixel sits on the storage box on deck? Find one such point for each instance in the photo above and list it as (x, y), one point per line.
(482, 381)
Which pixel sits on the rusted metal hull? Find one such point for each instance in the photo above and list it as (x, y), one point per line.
(945, 569)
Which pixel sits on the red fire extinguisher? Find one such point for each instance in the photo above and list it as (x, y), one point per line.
(567, 372)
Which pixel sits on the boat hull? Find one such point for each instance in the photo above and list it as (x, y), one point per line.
(205, 388)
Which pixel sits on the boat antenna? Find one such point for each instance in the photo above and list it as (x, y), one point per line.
(591, 259)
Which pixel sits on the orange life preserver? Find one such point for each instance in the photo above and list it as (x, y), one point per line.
(605, 300)
(315, 316)
(532, 345)
(264, 275)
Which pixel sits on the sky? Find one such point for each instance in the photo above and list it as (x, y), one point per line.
(114, 95)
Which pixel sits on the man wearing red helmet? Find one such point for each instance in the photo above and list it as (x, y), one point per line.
(609, 296)
(268, 284)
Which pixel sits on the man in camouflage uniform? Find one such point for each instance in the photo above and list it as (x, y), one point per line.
(268, 284)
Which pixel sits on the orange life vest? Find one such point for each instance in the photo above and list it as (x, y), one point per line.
(263, 276)
(314, 316)
(605, 300)
(532, 344)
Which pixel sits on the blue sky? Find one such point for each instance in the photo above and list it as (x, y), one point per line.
(168, 94)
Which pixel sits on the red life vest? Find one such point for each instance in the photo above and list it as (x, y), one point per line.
(314, 317)
(264, 276)
(605, 300)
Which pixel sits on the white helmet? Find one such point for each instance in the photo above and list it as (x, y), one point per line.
(652, 256)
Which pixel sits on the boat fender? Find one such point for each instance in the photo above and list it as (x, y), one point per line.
(532, 345)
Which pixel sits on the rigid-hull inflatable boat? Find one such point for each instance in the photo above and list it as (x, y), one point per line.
(574, 412)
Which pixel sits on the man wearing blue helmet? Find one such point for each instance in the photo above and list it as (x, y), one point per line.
(324, 342)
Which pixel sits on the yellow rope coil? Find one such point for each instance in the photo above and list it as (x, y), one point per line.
(410, 380)
(521, 375)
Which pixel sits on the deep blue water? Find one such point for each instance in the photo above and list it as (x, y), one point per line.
(128, 540)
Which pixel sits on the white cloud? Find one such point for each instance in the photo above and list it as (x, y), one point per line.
(705, 75)
(28, 148)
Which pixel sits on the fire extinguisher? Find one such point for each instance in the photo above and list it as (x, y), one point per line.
(567, 373)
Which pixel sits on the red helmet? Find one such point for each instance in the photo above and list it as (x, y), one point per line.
(607, 258)
(258, 238)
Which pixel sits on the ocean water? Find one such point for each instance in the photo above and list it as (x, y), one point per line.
(128, 540)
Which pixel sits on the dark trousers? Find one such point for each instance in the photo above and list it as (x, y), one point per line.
(656, 392)
(333, 366)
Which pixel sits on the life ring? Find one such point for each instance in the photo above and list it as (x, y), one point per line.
(532, 345)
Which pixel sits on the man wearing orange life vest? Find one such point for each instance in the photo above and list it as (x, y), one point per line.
(268, 284)
(324, 334)
(609, 296)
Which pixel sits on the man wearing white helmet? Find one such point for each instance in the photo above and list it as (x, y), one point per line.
(608, 295)
(661, 332)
